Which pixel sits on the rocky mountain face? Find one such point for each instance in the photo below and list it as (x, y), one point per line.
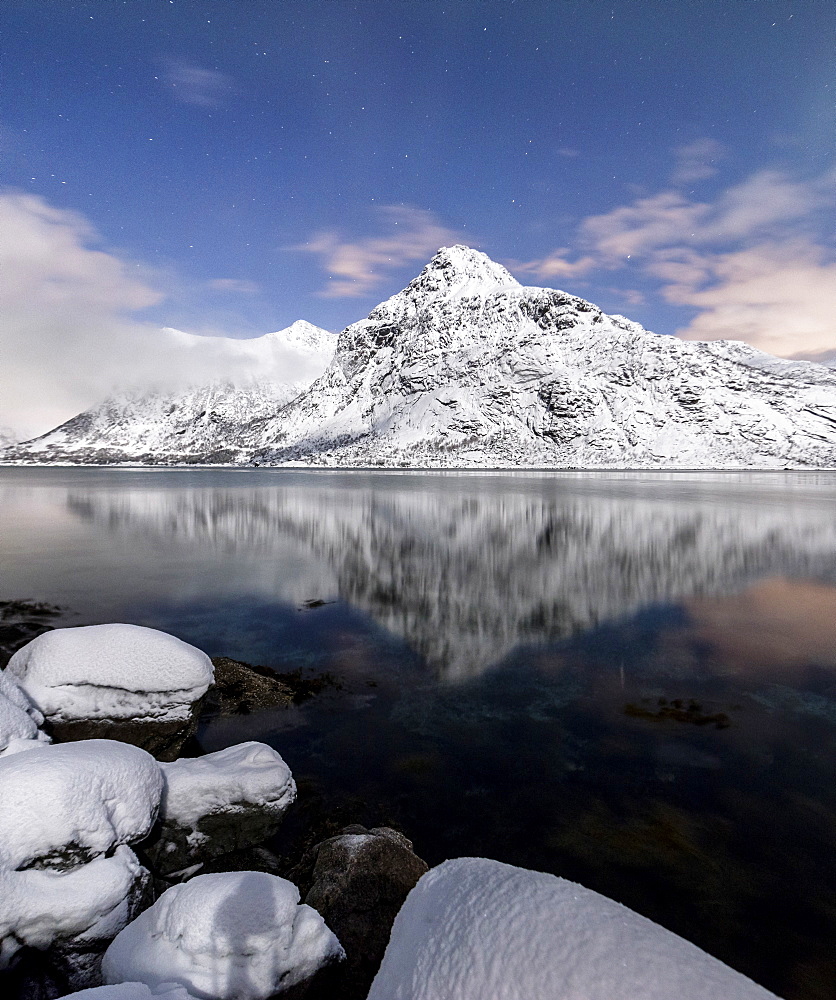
(202, 423)
(467, 368)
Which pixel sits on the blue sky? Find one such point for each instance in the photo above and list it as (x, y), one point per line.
(229, 166)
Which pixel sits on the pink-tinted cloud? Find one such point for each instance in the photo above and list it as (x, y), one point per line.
(355, 268)
(748, 260)
(554, 267)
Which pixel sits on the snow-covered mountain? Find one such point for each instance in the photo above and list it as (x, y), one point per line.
(467, 368)
(204, 422)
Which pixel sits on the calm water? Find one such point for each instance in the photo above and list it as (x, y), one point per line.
(625, 679)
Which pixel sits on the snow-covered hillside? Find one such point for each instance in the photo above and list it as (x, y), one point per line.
(467, 368)
(204, 422)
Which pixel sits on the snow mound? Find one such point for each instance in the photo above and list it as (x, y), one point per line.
(111, 672)
(64, 805)
(474, 929)
(91, 903)
(249, 774)
(231, 936)
(16, 728)
(132, 991)
(10, 690)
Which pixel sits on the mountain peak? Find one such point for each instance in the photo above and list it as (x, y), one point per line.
(460, 270)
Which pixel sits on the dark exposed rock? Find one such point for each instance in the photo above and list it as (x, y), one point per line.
(22, 621)
(241, 688)
(174, 848)
(358, 882)
(163, 740)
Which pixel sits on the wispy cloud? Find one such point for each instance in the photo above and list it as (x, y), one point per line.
(749, 260)
(69, 332)
(191, 84)
(697, 161)
(238, 285)
(555, 266)
(355, 268)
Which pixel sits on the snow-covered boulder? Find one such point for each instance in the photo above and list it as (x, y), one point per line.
(67, 804)
(473, 929)
(11, 691)
(72, 910)
(231, 936)
(111, 672)
(18, 728)
(132, 991)
(218, 803)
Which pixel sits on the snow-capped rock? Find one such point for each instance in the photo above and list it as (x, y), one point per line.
(466, 367)
(203, 422)
(17, 728)
(113, 671)
(70, 910)
(474, 928)
(64, 805)
(220, 802)
(132, 991)
(231, 936)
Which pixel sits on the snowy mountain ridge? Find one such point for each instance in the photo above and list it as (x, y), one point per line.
(467, 368)
(202, 422)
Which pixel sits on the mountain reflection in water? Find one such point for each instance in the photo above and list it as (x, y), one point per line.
(464, 575)
(626, 679)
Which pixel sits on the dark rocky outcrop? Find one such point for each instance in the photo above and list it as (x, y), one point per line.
(358, 882)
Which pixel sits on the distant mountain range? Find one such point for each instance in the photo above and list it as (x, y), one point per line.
(467, 368)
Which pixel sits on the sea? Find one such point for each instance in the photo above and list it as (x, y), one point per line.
(626, 679)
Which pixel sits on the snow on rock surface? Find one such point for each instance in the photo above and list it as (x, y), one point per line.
(10, 689)
(64, 805)
(230, 936)
(132, 991)
(467, 368)
(17, 728)
(220, 802)
(89, 904)
(247, 774)
(474, 929)
(111, 672)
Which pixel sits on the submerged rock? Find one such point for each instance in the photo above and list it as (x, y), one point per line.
(219, 803)
(473, 928)
(358, 882)
(241, 688)
(232, 936)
